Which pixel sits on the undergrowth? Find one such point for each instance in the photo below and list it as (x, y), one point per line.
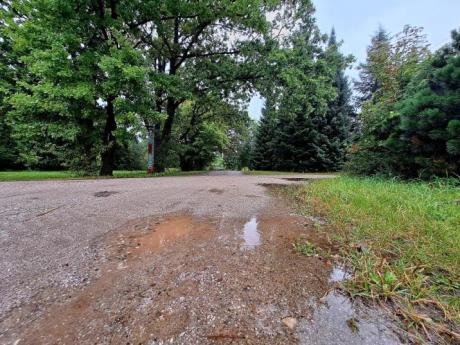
(402, 240)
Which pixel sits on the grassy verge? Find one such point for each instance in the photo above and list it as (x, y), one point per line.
(266, 172)
(30, 175)
(403, 242)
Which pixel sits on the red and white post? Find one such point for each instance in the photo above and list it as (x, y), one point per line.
(150, 159)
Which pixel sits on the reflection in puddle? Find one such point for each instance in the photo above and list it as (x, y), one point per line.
(251, 234)
(331, 324)
(338, 274)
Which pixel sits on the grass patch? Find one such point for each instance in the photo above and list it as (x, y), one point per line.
(403, 240)
(266, 172)
(26, 175)
(30, 175)
(305, 247)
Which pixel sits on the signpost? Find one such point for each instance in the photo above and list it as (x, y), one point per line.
(150, 142)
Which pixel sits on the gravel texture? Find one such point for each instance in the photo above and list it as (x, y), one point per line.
(176, 260)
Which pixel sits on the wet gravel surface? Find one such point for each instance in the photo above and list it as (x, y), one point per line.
(173, 260)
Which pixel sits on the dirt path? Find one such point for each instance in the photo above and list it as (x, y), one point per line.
(189, 260)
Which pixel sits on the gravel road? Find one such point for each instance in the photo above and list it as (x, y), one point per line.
(176, 260)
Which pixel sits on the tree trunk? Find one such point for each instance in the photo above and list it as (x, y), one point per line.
(108, 141)
(163, 144)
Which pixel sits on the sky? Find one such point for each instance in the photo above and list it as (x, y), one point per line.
(356, 20)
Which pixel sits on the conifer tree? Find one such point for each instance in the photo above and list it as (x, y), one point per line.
(340, 113)
(429, 125)
(378, 53)
(263, 157)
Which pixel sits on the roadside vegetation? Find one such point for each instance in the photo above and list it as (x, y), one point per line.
(31, 175)
(402, 241)
(268, 172)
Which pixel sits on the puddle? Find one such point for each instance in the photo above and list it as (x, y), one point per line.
(271, 185)
(127, 274)
(163, 234)
(216, 191)
(338, 322)
(104, 194)
(251, 234)
(338, 274)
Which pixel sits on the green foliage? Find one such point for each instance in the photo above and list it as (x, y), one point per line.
(209, 141)
(429, 125)
(263, 155)
(307, 116)
(416, 133)
(305, 247)
(411, 232)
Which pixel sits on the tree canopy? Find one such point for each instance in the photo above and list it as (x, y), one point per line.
(81, 81)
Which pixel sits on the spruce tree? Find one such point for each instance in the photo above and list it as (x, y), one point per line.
(301, 145)
(340, 113)
(262, 157)
(377, 53)
(429, 130)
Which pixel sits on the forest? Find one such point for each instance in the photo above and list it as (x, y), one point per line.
(81, 81)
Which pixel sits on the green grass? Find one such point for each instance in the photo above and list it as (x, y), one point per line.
(266, 172)
(35, 175)
(403, 241)
(30, 175)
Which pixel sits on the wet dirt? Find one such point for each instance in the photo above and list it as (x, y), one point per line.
(272, 185)
(106, 302)
(216, 191)
(104, 194)
(336, 320)
(184, 279)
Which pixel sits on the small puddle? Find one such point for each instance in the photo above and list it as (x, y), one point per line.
(338, 274)
(251, 234)
(104, 194)
(163, 234)
(337, 321)
(216, 191)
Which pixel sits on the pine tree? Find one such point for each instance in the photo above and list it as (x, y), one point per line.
(340, 113)
(429, 130)
(377, 53)
(262, 156)
(301, 145)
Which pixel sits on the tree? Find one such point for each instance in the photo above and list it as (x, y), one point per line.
(340, 114)
(8, 67)
(391, 65)
(262, 155)
(378, 54)
(195, 50)
(82, 75)
(209, 140)
(428, 129)
(309, 102)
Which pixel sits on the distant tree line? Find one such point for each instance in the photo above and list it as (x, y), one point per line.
(82, 80)
(405, 120)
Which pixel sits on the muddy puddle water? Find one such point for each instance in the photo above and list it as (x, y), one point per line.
(338, 274)
(337, 321)
(161, 235)
(251, 234)
(124, 282)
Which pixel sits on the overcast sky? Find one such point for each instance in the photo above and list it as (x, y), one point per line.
(356, 20)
